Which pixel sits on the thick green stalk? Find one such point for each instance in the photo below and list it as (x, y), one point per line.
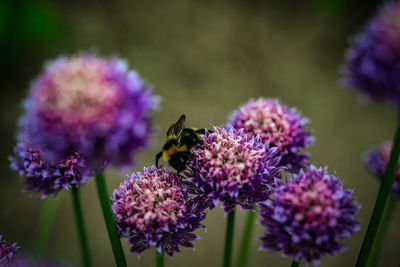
(44, 226)
(376, 250)
(80, 225)
(230, 222)
(381, 202)
(159, 259)
(295, 263)
(109, 220)
(244, 247)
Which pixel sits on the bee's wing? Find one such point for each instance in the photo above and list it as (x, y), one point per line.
(176, 129)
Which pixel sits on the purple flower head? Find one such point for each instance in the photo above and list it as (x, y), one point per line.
(278, 125)
(89, 104)
(376, 161)
(44, 176)
(233, 168)
(7, 252)
(373, 61)
(308, 215)
(153, 209)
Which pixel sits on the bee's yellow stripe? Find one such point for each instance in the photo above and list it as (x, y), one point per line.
(167, 154)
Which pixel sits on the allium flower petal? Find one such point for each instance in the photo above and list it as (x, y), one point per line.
(372, 62)
(276, 124)
(376, 161)
(92, 105)
(233, 168)
(153, 209)
(308, 215)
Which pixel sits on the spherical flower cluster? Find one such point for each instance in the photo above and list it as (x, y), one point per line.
(376, 161)
(7, 252)
(308, 215)
(281, 126)
(92, 105)
(44, 176)
(153, 209)
(373, 61)
(233, 168)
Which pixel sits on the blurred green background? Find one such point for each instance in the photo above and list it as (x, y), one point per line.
(204, 58)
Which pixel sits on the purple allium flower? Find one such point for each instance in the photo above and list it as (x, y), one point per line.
(233, 168)
(373, 61)
(45, 177)
(92, 105)
(7, 252)
(308, 215)
(278, 125)
(153, 209)
(376, 161)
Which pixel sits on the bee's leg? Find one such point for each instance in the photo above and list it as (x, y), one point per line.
(180, 174)
(200, 131)
(203, 131)
(158, 156)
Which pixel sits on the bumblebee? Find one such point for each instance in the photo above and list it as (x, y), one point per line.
(178, 146)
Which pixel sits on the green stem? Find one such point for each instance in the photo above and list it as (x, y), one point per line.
(80, 225)
(295, 263)
(159, 259)
(244, 247)
(376, 250)
(44, 226)
(381, 202)
(109, 220)
(229, 239)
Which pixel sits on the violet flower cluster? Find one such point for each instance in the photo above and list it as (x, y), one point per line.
(376, 160)
(278, 125)
(233, 168)
(372, 62)
(92, 105)
(153, 209)
(45, 177)
(306, 217)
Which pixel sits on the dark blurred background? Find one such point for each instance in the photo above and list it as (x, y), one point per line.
(204, 58)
